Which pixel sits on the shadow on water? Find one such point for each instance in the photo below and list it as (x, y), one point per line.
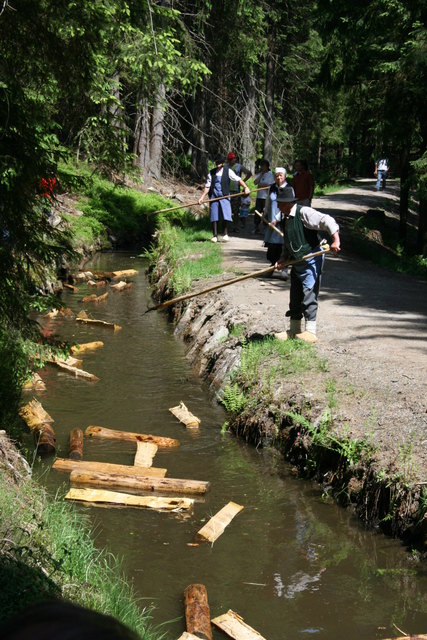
(292, 564)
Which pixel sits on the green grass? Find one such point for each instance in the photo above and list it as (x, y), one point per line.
(46, 550)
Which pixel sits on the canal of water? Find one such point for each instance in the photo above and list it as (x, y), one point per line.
(291, 563)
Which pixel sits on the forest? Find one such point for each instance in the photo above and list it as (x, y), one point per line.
(155, 89)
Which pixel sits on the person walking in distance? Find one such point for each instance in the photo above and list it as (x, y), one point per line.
(381, 171)
(303, 183)
(300, 227)
(217, 185)
(238, 169)
(264, 178)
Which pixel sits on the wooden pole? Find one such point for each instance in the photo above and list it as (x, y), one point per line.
(227, 283)
(67, 465)
(197, 613)
(195, 204)
(138, 483)
(76, 444)
(272, 226)
(112, 434)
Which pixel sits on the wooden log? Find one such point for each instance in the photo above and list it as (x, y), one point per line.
(76, 444)
(39, 423)
(90, 298)
(86, 346)
(121, 286)
(125, 273)
(97, 496)
(145, 452)
(73, 362)
(67, 465)
(185, 416)
(216, 525)
(35, 383)
(51, 314)
(99, 323)
(97, 283)
(70, 287)
(66, 312)
(138, 483)
(197, 613)
(113, 434)
(101, 298)
(417, 637)
(188, 636)
(74, 371)
(233, 625)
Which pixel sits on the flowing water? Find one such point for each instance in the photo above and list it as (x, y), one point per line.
(291, 563)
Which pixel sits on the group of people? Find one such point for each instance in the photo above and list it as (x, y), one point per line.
(288, 208)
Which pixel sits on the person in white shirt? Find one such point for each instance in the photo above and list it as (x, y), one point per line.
(381, 171)
(218, 185)
(264, 178)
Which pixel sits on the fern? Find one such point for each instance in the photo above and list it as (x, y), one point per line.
(233, 399)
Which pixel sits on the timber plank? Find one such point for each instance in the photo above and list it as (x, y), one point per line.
(138, 483)
(188, 636)
(64, 464)
(233, 625)
(99, 323)
(70, 287)
(185, 416)
(112, 434)
(86, 346)
(216, 525)
(145, 452)
(74, 371)
(97, 496)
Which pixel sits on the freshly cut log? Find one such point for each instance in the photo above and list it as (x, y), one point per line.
(138, 483)
(145, 452)
(97, 283)
(216, 525)
(70, 287)
(38, 421)
(90, 298)
(76, 444)
(73, 362)
(125, 273)
(121, 286)
(113, 497)
(197, 613)
(188, 636)
(86, 346)
(66, 312)
(185, 416)
(78, 373)
(100, 323)
(53, 313)
(233, 625)
(35, 383)
(113, 434)
(67, 465)
(102, 275)
(102, 297)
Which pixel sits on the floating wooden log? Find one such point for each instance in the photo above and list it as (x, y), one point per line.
(125, 273)
(67, 465)
(145, 452)
(63, 312)
(121, 286)
(82, 317)
(53, 313)
(96, 283)
(185, 416)
(113, 434)
(90, 298)
(74, 371)
(86, 346)
(418, 637)
(216, 525)
(70, 287)
(233, 625)
(35, 383)
(73, 362)
(38, 421)
(97, 496)
(197, 613)
(188, 636)
(76, 444)
(102, 297)
(138, 483)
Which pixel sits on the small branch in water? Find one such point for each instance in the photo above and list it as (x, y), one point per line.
(400, 630)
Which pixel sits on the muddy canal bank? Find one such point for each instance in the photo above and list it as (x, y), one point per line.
(322, 425)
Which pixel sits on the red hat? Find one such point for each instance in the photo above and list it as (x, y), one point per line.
(231, 156)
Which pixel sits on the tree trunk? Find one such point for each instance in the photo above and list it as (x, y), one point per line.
(116, 111)
(269, 96)
(199, 155)
(404, 194)
(248, 124)
(157, 130)
(422, 227)
(142, 140)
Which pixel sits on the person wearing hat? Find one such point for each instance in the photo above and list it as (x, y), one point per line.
(301, 225)
(235, 186)
(217, 185)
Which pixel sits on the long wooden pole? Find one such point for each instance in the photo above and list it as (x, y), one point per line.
(195, 204)
(227, 283)
(272, 226)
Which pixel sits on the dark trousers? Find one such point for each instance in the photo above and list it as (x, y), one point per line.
(303, 301)
(259, 206)
(274, 251)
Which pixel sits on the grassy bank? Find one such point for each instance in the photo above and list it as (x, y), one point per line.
(47, 551)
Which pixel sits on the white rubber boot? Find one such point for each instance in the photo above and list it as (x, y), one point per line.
(293, 330)
(309, 335)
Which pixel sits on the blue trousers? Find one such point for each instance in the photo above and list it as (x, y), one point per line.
(381, 179)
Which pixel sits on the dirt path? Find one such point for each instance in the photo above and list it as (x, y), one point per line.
(371, 328)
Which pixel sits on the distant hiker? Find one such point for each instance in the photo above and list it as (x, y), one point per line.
(300, 226)
(381, 171)
(217, 185)
(303, 183)
(264, 178)
(245, 204)
(272, 240)
(238, 169)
